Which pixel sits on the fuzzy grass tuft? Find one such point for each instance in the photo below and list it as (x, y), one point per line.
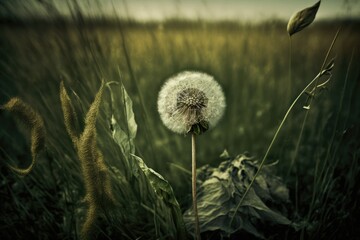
(70, 117)
(27, 116)
(99, 195)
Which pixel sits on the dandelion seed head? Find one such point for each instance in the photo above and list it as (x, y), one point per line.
(190, 98)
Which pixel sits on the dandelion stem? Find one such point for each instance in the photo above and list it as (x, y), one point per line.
(193, 157)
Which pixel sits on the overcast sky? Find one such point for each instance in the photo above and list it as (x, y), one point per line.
(143, 10)
(233, 9)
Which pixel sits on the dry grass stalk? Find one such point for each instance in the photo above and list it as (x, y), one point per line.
(32, 120)
(99, 195)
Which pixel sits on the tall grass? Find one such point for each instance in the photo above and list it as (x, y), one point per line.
(250, 63)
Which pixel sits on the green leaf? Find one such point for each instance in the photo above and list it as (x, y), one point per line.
(220, 190)
(126, 145)
(129, 114)
(157, 182)
(300, 20)
(123, 137)
(164, 191)
(153, 192)
(265, 213)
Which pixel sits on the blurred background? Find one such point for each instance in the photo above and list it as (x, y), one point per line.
(243, 44)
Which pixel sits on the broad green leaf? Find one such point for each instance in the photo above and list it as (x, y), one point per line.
(129, 113)
(127, 146)
(164, 191)
(123, 137)
(119, 135)
(158, 183)
(299, 20)
(220, 190)
(153, 191)
(254, 201)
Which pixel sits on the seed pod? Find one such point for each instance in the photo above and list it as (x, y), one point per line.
(299, 20)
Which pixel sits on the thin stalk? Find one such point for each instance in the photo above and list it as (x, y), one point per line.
(330, 147)
(330, 167)
(272, 143)
(310, 101)
(290, 94)
(304, 123)
(297, 194)
(290, 66)
(317, 163)
(196, 216)
(316, 79)
(336, 161)
(298, 143)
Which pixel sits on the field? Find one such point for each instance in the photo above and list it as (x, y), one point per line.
(260, 77)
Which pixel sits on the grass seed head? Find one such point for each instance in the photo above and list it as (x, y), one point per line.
(32, 121)
(70, 117)
(99, 194)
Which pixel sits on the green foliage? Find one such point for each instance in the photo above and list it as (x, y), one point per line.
(221, 188)
(154, 191)
(246, 59)
(123, 138)
(165, 193)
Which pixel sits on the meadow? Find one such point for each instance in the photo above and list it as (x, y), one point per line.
(250, 61)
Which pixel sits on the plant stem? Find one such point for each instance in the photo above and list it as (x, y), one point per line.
(290, 74)
(271, 144)
(196, 216)
(310, 101)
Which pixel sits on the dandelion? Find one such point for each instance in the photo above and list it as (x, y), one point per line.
(191, 102)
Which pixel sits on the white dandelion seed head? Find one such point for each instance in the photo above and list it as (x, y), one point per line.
(190, 98)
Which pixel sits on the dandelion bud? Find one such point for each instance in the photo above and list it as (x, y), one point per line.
(191, 102)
